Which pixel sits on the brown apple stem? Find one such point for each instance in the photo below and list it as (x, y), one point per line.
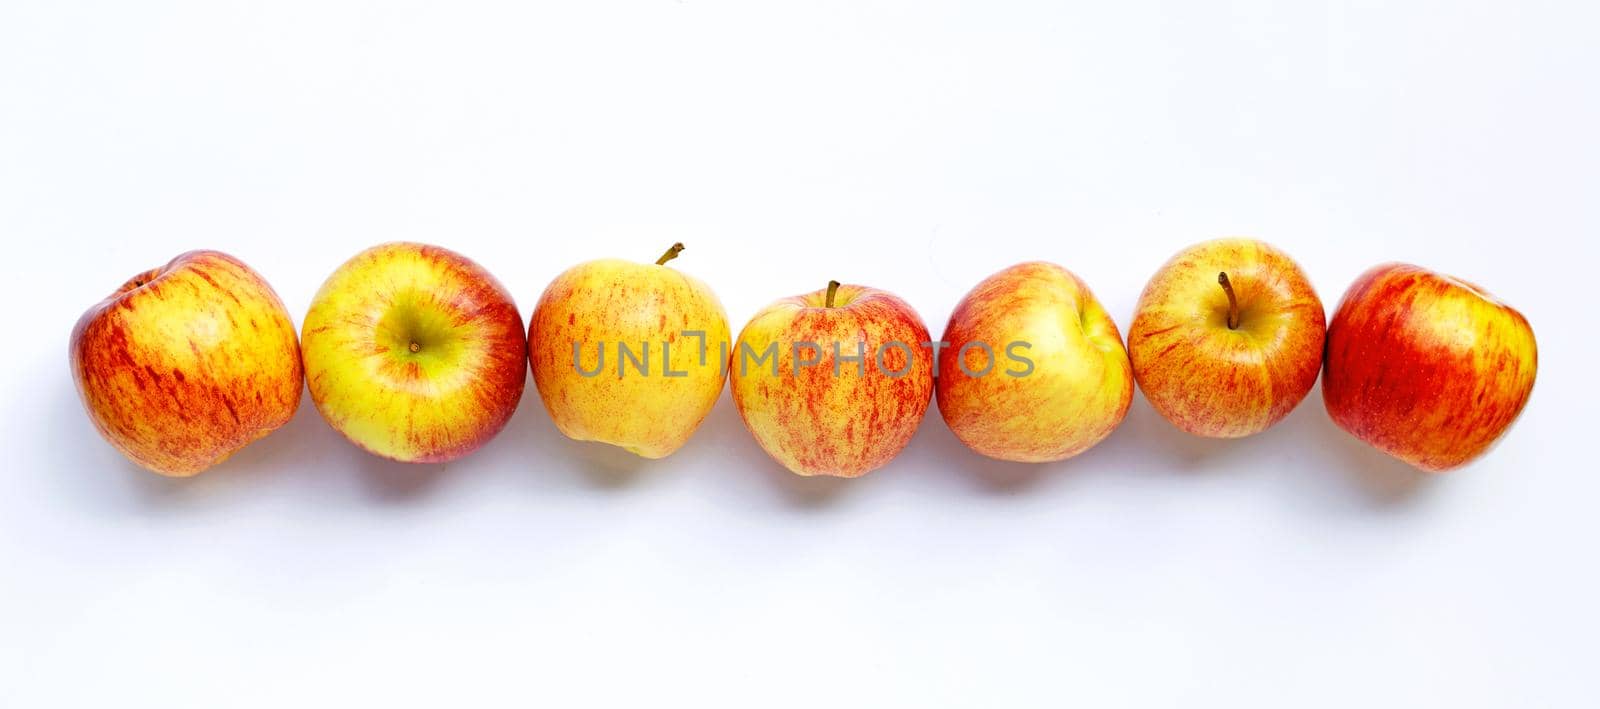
(1233, 303)
(671, 253)
(833, 288)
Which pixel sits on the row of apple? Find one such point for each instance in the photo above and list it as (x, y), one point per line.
(418, 354)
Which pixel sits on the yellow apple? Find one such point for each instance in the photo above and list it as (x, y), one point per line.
(186, 364)
(1033, 369)
(1227, 338)
(414, 353)
(833, 382)
(630, 354)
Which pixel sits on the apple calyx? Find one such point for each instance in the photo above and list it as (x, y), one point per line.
(415, 347)
(833, 289)
(1233, 302)
(671, 253)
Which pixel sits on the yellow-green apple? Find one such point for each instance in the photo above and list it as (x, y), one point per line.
(414, 353)
(1227, 338)
(1427, 368)
(833, 382)
(186, 364)
(1033, 368)
(665, 336)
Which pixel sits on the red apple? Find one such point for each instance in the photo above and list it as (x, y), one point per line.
(1227, 338)
(1033, 368)
(186, 364)
(1427, 368)
(833, 382)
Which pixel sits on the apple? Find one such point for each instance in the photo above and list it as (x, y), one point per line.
(414, 353)
(185, 364)
(1425, 367)
(630, 354)
(833, 382)
(1227, 338)
(1033, 369)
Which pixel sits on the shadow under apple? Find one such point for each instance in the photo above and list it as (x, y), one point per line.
(1305, 444)
(726, 444)
(936, 447)
(297, 445)
(533, 437)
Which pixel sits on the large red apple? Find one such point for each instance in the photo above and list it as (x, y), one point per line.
(833, 382)
(186, 364)
(1227, 338)
(1427, 368)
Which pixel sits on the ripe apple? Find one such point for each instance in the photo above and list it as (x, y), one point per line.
(1227, 338)
(665, 336)
(186, 364)
(1034, 368)
(833, 382)
(1427, 368)
(414, 353)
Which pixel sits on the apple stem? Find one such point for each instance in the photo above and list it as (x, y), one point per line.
(833, 288)
(671, 253)
(1233, 303)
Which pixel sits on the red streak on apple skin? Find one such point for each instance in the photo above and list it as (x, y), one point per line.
(178, 395)
(1426, 368)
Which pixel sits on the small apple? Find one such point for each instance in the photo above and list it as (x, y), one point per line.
(414, 353)
(1033, 369)
(665, 336)
(833, 382)
(1427, 368)
(1227, 338)
(185, 364)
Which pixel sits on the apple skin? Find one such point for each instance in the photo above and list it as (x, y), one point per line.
(1216, 381)
(185, 364)
(1425, 367)
(436, 403)
(609, 301)
(1082, 382)
(812, 422)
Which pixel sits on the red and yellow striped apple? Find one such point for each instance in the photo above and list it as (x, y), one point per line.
(186, 364)
(833, 382)
(1034, 369)
(1227, 338)
(1425, 367)
(414, 353)
(668, 335)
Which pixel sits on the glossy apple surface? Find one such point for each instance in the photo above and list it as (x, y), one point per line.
(186, 364)
(414, 353)
(1227, 364)
(1080, 383)
(650, 400)
(846, 385)
(1427, 368)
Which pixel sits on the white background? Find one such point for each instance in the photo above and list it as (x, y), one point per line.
(915, 147)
